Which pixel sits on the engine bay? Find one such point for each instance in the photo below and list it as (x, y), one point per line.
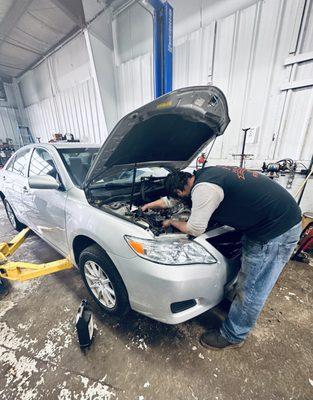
(126, 200)
(151, 219)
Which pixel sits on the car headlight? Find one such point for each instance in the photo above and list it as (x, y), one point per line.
(171, 251)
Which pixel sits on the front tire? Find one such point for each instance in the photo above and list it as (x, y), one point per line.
(103, 281)
(16, 224)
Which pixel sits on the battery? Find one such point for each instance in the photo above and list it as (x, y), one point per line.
(84, 324)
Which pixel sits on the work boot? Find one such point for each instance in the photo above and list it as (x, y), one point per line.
(212, 339)
(4, 288)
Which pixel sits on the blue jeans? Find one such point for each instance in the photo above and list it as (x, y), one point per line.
(261, 266)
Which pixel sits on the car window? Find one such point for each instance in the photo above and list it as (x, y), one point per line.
(78, 161)
(20, 162)
(42, 163)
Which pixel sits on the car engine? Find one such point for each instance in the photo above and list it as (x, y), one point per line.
(151, 219)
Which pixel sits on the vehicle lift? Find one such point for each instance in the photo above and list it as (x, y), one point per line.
(23, 271)
(162, 46)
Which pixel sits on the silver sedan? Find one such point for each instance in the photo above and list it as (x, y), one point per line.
(85, 202)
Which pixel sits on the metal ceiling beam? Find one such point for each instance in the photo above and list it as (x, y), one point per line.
(73, 9)
(10, 20)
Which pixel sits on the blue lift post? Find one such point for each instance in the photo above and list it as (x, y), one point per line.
(163, 47)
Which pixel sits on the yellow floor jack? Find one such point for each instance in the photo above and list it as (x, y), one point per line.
(23, 271)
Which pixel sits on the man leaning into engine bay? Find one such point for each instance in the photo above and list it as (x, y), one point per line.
(266, 214)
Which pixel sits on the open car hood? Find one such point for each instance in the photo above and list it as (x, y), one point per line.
(169, 131)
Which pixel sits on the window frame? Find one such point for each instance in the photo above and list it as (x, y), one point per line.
(10, 161)
(28, 152)
(62, 187)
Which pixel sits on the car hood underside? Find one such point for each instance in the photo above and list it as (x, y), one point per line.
(169, 131)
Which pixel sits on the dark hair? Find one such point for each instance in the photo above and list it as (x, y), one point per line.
(176, 181)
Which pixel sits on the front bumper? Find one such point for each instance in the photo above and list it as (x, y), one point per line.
(153, 288)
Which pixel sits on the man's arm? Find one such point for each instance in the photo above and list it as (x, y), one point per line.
(180, 225)
(163, 202)
(206, 197)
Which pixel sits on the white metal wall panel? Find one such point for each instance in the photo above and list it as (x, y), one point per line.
(190, 15)
(307, 42)
(250, 47)
(64, 69)
(133, 33)
(75, 110)
(8, 116)
(60, 96)
(103, 72)
(70, 65)
(10, 97)
(296, 131)
(8, 125)
(193, 58)
(240, 70)
(134, 83)
(35, 85)
(223, 66)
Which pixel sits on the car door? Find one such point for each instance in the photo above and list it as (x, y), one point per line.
(14, 180)
(45, 208)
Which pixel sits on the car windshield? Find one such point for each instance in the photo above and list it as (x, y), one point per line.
(78, 162)
(125, 177)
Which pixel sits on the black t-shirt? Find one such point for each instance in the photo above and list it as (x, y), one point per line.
(253, 203)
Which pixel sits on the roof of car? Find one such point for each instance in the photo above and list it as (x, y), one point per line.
(75, 145)
(66, 145)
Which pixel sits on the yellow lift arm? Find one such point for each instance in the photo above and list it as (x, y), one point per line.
(23, 271)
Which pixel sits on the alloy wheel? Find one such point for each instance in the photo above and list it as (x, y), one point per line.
(100, 284)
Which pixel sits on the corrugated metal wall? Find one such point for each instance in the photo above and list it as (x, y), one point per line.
(75, 110)
(251, 46)
(134, 83)
(244, 54)
(8, 125)
(60, 96)
(133, 48)
(9, 117)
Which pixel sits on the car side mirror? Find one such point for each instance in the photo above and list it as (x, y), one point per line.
(43, 182)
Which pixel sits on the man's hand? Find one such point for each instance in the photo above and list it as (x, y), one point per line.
(180, 225)
(166, 223)
(145, 207)
(157, 204)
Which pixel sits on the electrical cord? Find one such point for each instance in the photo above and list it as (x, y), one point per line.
(300, 163)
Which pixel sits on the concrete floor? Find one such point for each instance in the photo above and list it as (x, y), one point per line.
(140, 359)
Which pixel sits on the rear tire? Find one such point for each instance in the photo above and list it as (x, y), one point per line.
(103, 281)
(16, 224)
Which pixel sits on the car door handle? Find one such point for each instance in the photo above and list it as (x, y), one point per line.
(25, 190)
